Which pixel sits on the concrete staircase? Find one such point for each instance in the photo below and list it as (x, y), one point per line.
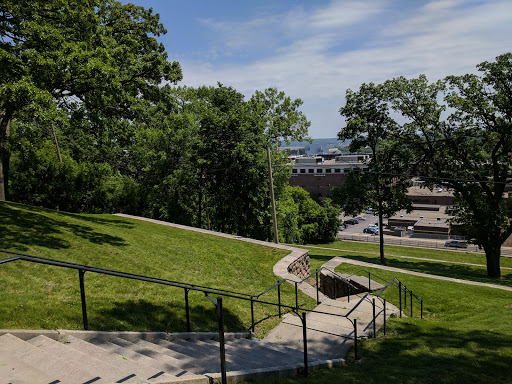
(87, 357)
(125, 357)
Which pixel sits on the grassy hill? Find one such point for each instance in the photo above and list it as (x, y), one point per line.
(45, 297)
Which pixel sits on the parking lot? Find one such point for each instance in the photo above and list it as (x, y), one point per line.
(358, 228)
(355, 233)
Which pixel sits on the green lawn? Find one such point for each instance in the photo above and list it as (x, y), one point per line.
(465, 336)
(454, 268)
(45, 297)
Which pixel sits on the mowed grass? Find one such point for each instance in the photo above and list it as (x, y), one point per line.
(449, 264)
(37, 296)
(464, 337)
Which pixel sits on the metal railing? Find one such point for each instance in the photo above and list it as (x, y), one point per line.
(207, 291)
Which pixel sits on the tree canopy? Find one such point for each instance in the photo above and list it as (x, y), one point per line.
(381, 186)
(458, 133)
(87, 59)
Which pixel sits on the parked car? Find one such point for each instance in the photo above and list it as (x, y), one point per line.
(456, 244)
(370, 212)
(360, 218)
(371, 230)
(352, 221)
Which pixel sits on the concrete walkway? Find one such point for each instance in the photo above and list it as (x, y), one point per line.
(408, 257)
(335, 261)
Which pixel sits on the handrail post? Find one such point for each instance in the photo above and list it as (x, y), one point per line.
(369, 283)
(348, 297)
(279, 298)
(296, 297)
(405, 297)
(334, 285)
(411, 302)
(374, 326)
(318, 288)
(384, 317)
(355, 340)
(400, 297)
(81, 273)
(187, 311)
(222, 346)
(252, 313)
(304, 335)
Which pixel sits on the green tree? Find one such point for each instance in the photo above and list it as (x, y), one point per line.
(383, 184)
(302, 220)
(469, 151)
(93, 59)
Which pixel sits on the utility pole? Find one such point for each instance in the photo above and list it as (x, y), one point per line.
(271, 184)
(56, 143)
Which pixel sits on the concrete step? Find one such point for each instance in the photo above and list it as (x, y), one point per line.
(140, 354)
(264, 354)
(253, 343)
(102, 368)
(60, 368)
(321, 345)
(141, 370)
(209, 361)
(363, 283)
(240, 356)
(16, 371)
(330, 329)
(153, 349)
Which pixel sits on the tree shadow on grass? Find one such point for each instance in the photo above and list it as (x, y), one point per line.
(143, 315)
(437, 355)
(21, 228)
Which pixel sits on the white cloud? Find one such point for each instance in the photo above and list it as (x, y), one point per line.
(344, 13)
(438, 39)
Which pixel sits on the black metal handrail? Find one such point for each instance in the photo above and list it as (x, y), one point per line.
(70, 265)
(254, 299)
(401, 288)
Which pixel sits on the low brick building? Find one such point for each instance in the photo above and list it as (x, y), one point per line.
(317, 175)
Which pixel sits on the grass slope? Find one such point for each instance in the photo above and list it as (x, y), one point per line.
(45, 297)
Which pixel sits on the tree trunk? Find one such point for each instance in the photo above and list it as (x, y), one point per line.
(5, 123)
(493, 254)
(381, 235)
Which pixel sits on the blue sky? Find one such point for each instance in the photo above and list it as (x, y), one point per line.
(316, 50)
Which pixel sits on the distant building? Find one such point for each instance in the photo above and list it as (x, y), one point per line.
(293, 151)
(318, 175)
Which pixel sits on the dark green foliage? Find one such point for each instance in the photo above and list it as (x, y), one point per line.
(383, 184)
(301, 220)
(87, 79)
(40, 179)
(92, 59)
(470, 151)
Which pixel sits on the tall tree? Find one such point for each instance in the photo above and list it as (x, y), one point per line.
(91, 58)
(382, 186)
(470, 151)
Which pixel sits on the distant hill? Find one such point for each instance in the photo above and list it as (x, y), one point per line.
(318, 145)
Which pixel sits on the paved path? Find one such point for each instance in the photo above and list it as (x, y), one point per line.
(407, 257)
(334, 262)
